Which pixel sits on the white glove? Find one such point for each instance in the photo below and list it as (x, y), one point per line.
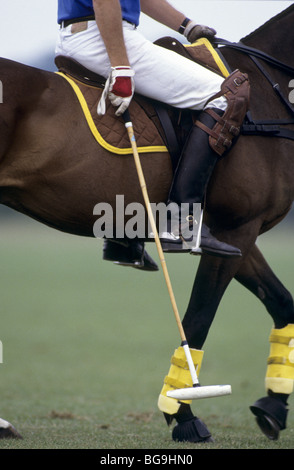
(119, 88)
(194, 31)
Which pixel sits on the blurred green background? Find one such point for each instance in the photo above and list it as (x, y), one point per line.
(86, 344)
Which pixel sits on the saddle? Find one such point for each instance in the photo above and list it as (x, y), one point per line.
(153, 126)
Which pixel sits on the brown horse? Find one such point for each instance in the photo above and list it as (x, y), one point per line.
(52, 169)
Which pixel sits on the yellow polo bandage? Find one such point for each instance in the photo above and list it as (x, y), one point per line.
(280, 369)
(179, 376)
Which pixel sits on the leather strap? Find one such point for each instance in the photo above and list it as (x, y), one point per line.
(66, 23)
(254, 52)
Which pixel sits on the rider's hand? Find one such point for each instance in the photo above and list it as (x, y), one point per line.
(119, 88)
(194, 31)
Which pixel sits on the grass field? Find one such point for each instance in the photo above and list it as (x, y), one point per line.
(86, 345)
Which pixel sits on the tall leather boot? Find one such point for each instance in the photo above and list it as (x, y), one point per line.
(211, 136)
(190, 180)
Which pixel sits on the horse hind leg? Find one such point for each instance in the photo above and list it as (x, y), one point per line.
(256, 275)
(271, 411)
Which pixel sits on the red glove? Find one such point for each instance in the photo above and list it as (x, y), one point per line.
(119, 88)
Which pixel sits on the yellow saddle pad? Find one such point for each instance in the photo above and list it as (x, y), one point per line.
(109, 130)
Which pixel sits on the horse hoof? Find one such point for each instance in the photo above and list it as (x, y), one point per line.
(193, 430)
(268, 426)
(8, 431)
(271, 415)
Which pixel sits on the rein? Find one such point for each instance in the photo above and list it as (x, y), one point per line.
(254, 52)
(264, 127)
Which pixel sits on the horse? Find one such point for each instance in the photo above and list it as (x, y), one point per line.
(52, 170)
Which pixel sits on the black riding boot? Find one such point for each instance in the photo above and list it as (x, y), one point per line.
(126, 252)
(190, 180)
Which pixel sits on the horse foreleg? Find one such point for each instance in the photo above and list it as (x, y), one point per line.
(257, 276)
(212, 278)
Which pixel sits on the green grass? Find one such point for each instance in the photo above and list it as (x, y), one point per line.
(86, 345)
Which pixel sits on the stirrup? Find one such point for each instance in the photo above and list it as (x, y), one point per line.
(182, 240)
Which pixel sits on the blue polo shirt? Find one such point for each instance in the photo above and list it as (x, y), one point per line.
(70, 9)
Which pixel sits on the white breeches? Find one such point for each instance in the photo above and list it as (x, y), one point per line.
(159, 73)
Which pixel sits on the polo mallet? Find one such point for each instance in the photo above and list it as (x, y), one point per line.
(196, 391)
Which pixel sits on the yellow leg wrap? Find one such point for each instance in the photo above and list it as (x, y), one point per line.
(179, 376)
(280, 369)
